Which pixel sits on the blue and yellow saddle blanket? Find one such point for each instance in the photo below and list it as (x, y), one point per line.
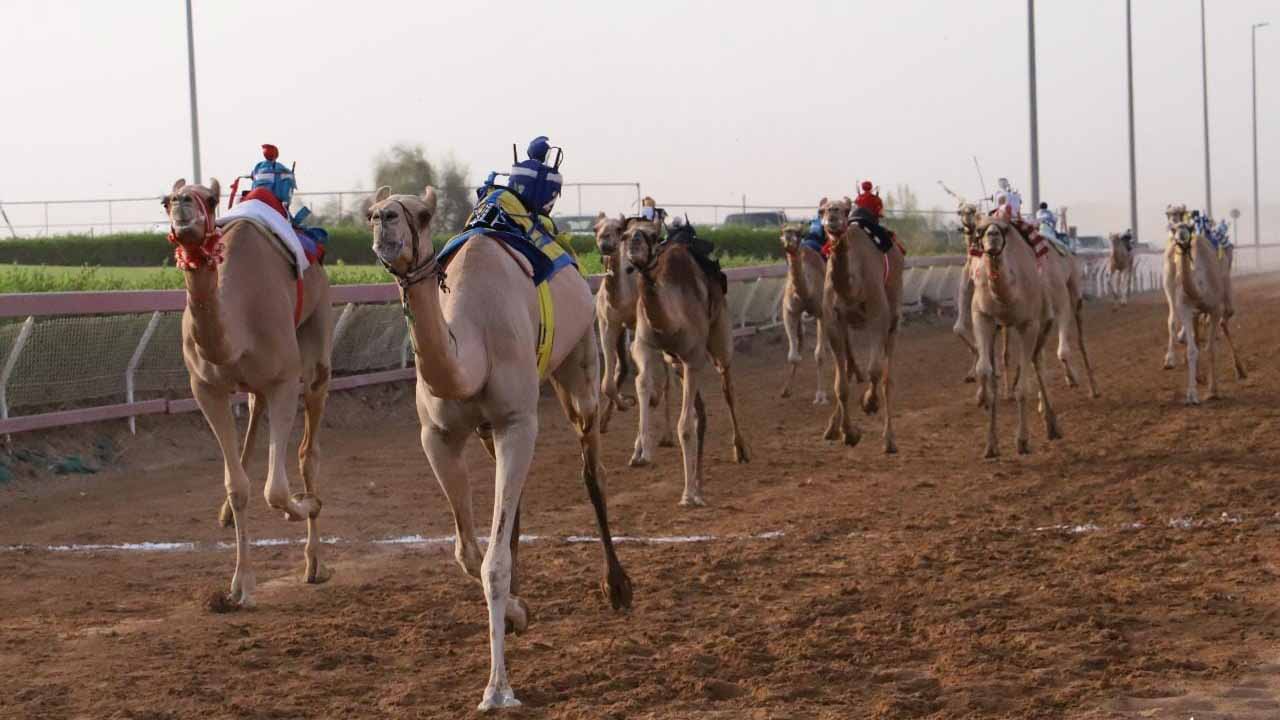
(500, 214)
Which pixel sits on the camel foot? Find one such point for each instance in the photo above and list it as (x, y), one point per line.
(468, 556)
(1192, 399)
(870, 402)
(991, 452)
(497, 699)
(517, 619)
(786, 393)
(1169, 363)
(890, 447)
(225, 516)
(740, 454)
(851, 437)
(626, 402)
(1240, 373)
(1051, 428)
(317, 573)
(1094, 394)
(1072, 382)
(832, 433)
(617, 587)
(1024, 446)
(219, 602)
(821, 398)
(308, 503)
(970, 378)
(638, 460)
(1182, 337)
(690, 501)
(1211, 396)
(667, 440)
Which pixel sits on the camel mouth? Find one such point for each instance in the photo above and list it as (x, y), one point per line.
(387, 251)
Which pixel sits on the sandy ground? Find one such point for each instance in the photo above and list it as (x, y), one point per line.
(1127, 571)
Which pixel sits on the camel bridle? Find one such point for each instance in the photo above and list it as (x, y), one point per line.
(1004, 241)
(208, 254)
(419, 269)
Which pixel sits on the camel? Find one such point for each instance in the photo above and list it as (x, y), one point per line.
(1122, 265)
(806, 278)
(1010, 291)
(474, 342)
(241, 330)
(615, 314)
(863, 291)
(1197, 287)
(683, 313)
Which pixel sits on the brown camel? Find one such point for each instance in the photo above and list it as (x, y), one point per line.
(615, 314)
(1009, 291)
(1199, 291)
(863, 292)
(682, 313)
(242, 331)
(475, 350)
(1122, 266)
(806, 278)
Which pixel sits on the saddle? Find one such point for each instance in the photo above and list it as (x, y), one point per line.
(701, 251)
(883, 237)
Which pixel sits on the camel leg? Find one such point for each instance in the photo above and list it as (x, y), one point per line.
(1009, 370)
(688, 432)
(890, 443)
(216, 407)
(609, 336)
(1170, 359)
(1027, 348)
(792, 323)
(985, 333)
(820, 349)
(839, 426)
(964, 319)
(574, 382)
(1084, 354)
(315, 393)
(514, 442)
(721, 350)
(256, 405)
(1212, 346)
(1226, 335)
(647, 360)
(668, 438)
(1046, 409)
(1064, 319)
(282, 409)
(1188, 319)
(444, 452)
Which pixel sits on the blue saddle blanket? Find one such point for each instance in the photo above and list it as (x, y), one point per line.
(501, 215)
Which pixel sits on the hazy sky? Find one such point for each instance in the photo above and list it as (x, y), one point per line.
(698, 101)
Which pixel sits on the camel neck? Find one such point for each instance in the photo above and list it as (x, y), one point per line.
(843, 271)
(1183, 262)
(449, 360)
(795, 272)
(204, 306)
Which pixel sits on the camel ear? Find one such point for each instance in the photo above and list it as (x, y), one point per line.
(428, 199)
(215, 193)
(178, 185)
(822, 204)
(383, 193)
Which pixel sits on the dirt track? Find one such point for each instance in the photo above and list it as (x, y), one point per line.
(931, 584)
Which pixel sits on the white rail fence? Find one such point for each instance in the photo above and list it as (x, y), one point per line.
(69, 358)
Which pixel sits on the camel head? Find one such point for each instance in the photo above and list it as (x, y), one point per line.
(835, 217)
(791, 238)
(609, 234)
(992, 235)
(401, 226)
(191, 210)
(1182, 234)
(642, 238)
(1176, 214)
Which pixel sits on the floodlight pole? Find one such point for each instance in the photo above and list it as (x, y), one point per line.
(191, 80)
(1257, 233)
(1133, 164)
(1035, 132)
(1204, 79)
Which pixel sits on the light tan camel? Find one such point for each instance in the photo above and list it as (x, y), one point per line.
(239, 332)
(1122, 266)
(683, 314)
(1064, 284)
(1199, 291)
(474, 343)
(863, 292)
(615, 314)
(806, 278)
(1009, 291)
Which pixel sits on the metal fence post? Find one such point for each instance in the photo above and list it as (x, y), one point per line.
(746, 305)
(111, 225)
(132, 368)
(46, 219)
(12, 362)
(341, 326)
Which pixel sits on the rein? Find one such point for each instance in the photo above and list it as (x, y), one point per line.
(419, 269)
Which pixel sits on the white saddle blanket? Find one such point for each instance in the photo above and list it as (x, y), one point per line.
(265, 215)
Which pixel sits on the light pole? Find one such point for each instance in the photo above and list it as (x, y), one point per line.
(1035, 132)
(191, 78)
(1133, 165)
(1253, 36)
(1204, 79)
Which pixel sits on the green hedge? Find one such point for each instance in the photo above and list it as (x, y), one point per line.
(351, 245)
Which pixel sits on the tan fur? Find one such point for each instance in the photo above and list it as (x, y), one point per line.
(858, 296)
(477, 373)
(684, 316)
(1121, 268)
(806, 279)
(238, 333)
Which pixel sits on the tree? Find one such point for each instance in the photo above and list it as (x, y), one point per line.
(406, 169)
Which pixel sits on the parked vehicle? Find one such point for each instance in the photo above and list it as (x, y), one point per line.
(762, 219)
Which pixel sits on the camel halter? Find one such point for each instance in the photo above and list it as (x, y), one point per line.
(419, 269)
(208, 254)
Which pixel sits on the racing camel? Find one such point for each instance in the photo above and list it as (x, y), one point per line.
(1009, 291)
(1197, 288)
(1122, 266)
(615, 314)
(806, 279)
(863, 292)
(243, 329)
(475, 336)
(682, 313)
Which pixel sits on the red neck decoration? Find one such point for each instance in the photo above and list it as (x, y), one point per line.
(208, 253)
